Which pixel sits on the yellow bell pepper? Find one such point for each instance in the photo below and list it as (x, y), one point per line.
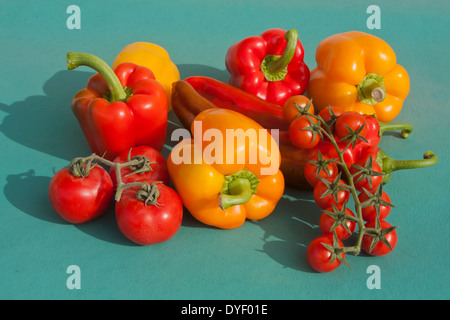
(156, 59)
(225, 177)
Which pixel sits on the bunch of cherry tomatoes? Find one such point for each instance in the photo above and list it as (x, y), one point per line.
(335, 182)
(147, 210)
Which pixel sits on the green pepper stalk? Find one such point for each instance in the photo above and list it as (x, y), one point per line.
(117, 91)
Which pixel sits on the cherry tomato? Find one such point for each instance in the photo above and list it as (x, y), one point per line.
(370, 213)
(380, 248)
(310, 170)
(326, 115)
(370, 182)
(81, 199)
(326, 222)
(326, 201)
(319, 257)
(290, 110)
(300, 136)
(147, 223)
(354, 120)
(158, 166)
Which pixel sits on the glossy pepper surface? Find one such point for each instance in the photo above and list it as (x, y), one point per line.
(121, 109)
(239, 180)
(269, 66)
(359, 72)
(154, 57)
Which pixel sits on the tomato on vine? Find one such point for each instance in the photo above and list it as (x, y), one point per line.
(338, 220)
(326, 193)
(318, 166)
(152, 166)
(150, 213)
(304, 132)
(373, 203)
(81, 192)
(382, 242)
(324, 253)
(292, 106)
(350, 126)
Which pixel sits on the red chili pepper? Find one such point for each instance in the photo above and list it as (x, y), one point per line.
(121, 109)
(226, 96)
(269, 66)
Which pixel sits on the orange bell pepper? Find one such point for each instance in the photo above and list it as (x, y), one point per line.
(229, 171)
(358, 72)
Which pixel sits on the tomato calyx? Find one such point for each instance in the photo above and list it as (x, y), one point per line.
(340, 217)
(376, 200)
(80, 167)
(379, 234)
(149, 193)
(334, 187)
(337, 252)
(366, 172)
(138, 164)
(322, 164)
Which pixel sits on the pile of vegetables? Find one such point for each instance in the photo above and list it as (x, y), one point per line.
(317, 130)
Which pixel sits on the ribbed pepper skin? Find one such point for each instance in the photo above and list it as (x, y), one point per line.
(344, 60)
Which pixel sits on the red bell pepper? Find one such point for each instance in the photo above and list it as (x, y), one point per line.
(269, 66)
(119, 109)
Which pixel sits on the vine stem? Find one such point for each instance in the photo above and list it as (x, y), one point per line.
(358, 207)
(121, 186)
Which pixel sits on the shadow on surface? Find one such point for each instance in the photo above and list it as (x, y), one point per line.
(29, 193)
(289, 230)
(46, 123)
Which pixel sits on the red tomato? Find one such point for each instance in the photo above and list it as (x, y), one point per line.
(290, 110)
(326, 115)
(78, 199)
(370, 213)
(310, 170)
(300, 136)
(319, 257)
(326, 222)
(380, 248)
(375, 180)
(158, 166)
(327, 201)
(148, 224)
(353, 120)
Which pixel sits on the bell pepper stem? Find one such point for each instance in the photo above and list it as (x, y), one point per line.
(240, 192)
(371, 89)
(390, 165)
(75, 59)
(405, 127)
(275, 67)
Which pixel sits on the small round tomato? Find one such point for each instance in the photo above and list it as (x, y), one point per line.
(380, 248)
(152, 222)
(326, 222)
(81, 199)
(353, 120)
(301, 134)
(327, 170)
(328, 200)
(158, 167)
(319, 257)
(290, 107)
(369, 213)
(325, 113)
(368, 182)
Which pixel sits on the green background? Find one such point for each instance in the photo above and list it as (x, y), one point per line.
(260, 260)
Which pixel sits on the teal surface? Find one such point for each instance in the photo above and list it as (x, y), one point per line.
(260, 260)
